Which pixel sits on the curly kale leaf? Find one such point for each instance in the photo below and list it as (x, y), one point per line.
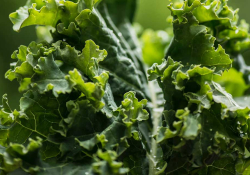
(201, 122)
(77, 22)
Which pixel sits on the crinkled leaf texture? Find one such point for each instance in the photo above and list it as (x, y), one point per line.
(202, 123)
(79, 113)
(203, 130)
(84, 108)
(222, 22)
(52, 134)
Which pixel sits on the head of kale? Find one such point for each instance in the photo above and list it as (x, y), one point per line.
(90, 107)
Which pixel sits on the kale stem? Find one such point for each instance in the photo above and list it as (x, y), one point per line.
(155, 119)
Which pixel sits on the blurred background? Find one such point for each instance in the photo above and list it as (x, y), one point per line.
(151, 14)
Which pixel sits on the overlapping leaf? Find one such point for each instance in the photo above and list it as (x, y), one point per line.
(81, 21)
(221, 22)
(70, 133)
(69, 121)
(200, 115)
(57, 68)
(196, 45)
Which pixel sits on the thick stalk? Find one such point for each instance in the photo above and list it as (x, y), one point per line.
(155, 117)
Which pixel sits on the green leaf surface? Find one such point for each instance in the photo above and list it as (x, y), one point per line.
(200, 118)
(196, 45)
(88, 108)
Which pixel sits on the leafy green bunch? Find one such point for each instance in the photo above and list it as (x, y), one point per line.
(89, 107)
